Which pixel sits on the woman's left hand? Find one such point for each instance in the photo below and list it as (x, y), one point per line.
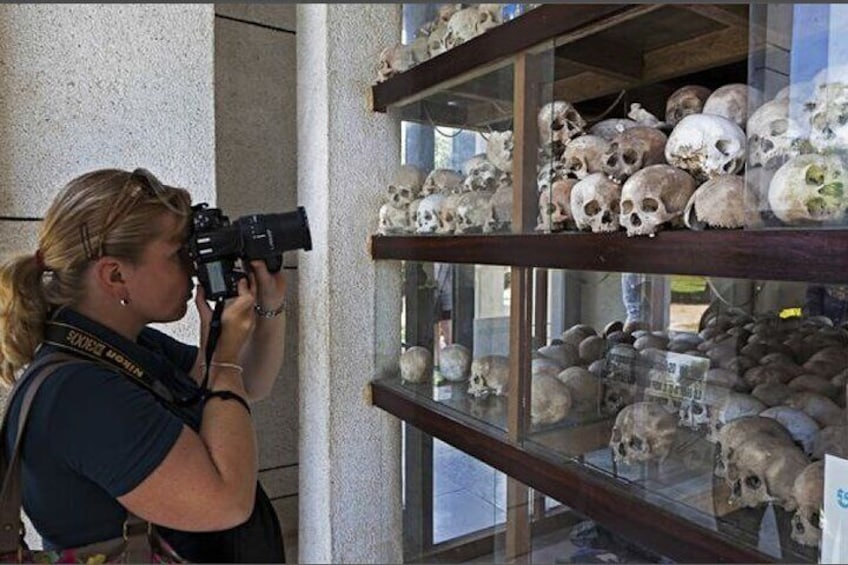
(270, 287)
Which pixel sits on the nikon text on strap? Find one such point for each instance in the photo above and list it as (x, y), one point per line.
(75, 340)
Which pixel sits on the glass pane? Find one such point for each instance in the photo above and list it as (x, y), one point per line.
(707, 397)
(797, 133)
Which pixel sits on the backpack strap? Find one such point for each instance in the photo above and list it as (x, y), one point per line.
(11, 493)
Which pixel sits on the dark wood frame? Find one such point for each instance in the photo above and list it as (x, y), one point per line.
(612, 505)
(813, 255)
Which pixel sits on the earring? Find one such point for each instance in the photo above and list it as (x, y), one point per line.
(124, 301)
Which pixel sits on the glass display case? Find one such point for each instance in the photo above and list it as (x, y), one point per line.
(796, 138)
(635, 347)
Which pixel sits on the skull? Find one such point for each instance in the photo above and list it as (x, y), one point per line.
(489, 375)
(405, 186)
(441, 181)
(741, 430)
(392, 220)
(549, 173)
(808, 492)
(773, 136)
(730, 101)
(732, 407)
(447, 214)
(643, 117)
(596, 203)
(769, 373)
(427, 218)
(832, 440)
(585, 388)
(473, 211)
(684, 102)
(718, 203)
(611, 127)
(481, 175)
(550, 400)
(772, 394)
(809, 189)
(632, 150)
(829, 116)
(707, 146)
(436, 40)
(814, 384)
(420, 49)
(541, 365)
(801, 427)
(654, 196)
(584, 155)
(501, 204)
(454, 362)
(763, 469)
(499, 149)
(394, 60)
(617, 395)
(559, 122)
(462, 27)
(566, 355)
(489, 16)
(695, 413)
(555, 207)
(577, 333)
(416, 365)
(818, 407)
(642, 432)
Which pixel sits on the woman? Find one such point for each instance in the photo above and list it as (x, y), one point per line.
(111, 259)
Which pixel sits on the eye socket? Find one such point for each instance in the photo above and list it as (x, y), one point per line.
(650, 205)
(753, 482)
(630, 157)
(627, 207)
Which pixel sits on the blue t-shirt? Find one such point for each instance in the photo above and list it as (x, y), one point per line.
(94, 435)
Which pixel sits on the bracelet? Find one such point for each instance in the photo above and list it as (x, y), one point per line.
(226, 395)
(260, 311)
(221, 365)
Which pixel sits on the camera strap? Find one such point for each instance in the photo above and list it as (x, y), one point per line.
(75, 340)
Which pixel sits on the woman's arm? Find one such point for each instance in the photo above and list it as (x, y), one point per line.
(263, 354)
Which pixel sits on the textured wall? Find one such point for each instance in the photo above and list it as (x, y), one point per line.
(92, 86)
(349, 451)
(255, 133)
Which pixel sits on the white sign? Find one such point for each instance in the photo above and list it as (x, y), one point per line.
(834, 517)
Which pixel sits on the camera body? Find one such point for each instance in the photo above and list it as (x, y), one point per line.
(215, 244)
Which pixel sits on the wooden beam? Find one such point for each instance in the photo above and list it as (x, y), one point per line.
(709, 50)
(719, 13)
(603, 56)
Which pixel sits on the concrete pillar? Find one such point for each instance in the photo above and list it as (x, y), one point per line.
(350, 505)
(256, 147)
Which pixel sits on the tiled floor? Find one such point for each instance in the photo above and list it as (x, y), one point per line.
(468, 494)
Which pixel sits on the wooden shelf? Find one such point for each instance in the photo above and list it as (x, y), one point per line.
(819, 256)
(599, 49)
(603, 499)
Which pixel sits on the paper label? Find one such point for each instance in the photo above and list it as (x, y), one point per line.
(834, 516)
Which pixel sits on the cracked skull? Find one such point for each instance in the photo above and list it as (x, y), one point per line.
(762, 470)
(441, 181)
(772, 135)
(707, 146)
(718, 203)
(642, 432)
(596, 203)
(499, 149)
(633, 149)
(427, 217)
(405, 185)
(489, 375)
(654, 196)
(555, 207)
(808, 492)
(559, 122)
(684, 102)
(809, 189)
(584, 155)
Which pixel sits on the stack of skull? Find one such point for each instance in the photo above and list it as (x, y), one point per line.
(477, 200)
(453, 26)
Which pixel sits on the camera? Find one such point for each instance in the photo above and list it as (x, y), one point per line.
(214, 244)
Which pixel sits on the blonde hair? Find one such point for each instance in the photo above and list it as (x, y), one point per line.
(104, 212)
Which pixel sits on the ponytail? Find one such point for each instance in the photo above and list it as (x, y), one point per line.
(23, 311)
